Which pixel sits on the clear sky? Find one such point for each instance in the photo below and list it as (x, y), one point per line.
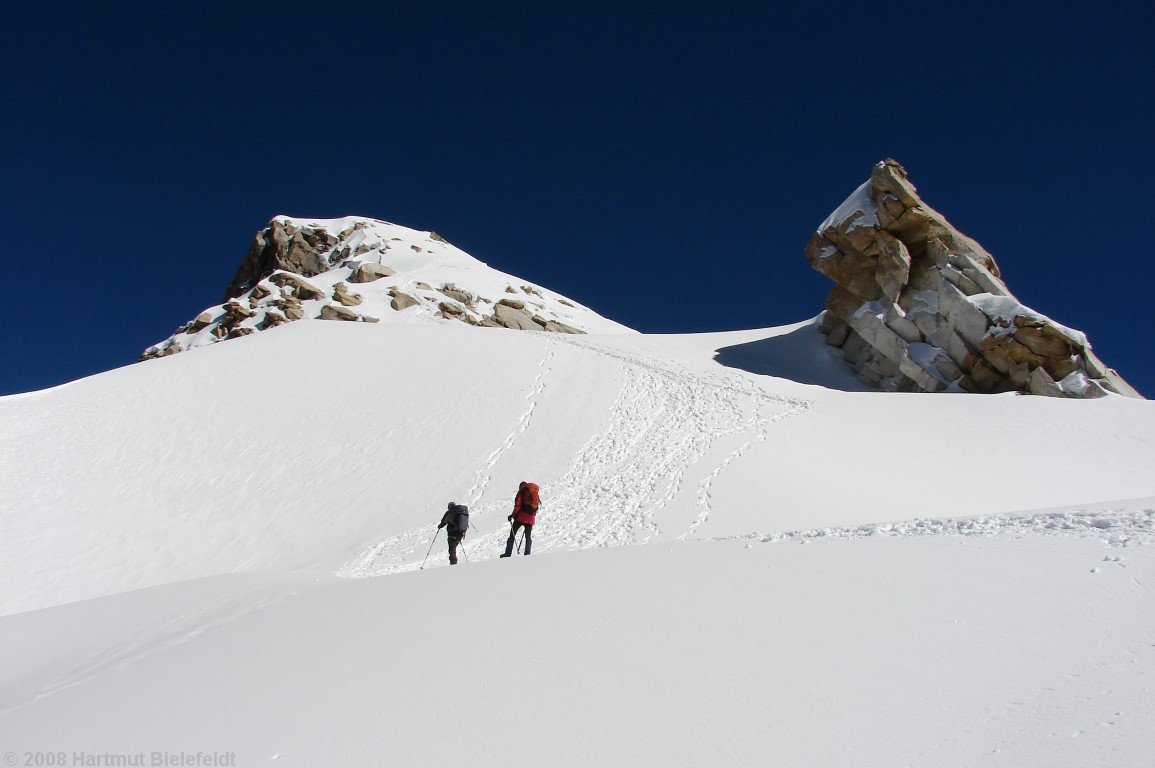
(663, 163)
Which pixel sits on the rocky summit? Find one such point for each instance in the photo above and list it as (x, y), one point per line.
(918, 306)
(364, 270)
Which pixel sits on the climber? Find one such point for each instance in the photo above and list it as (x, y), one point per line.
(525, 506)
(456, 522)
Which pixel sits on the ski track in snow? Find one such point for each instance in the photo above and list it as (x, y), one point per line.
(1115, 527)
(622, 477)
(152, 640)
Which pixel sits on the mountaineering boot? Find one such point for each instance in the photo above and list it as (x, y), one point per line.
(453, 561)
(508, 547)
(528, 544)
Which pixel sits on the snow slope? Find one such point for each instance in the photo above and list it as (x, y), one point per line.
(931, 651)
(832, 577)
(336, 446)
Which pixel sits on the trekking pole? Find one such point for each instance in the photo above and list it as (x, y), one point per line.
(461, 545)
(431, 541)
(519, 542)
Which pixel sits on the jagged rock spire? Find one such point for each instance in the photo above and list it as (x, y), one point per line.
(918, 306)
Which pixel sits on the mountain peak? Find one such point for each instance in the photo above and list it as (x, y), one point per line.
(359, 269)
(918, 306)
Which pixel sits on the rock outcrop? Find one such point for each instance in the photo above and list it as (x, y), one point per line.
(368, 272)
(292, 285)
(338, 312)
(342, 296)
(918, 306)
(511, 314)
(282, 245)
(402, 301)
(452, 291)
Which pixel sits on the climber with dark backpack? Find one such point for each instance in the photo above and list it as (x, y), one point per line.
(525, 505)
(456, 523)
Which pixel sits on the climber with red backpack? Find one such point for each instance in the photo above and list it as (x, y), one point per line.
(525, 506)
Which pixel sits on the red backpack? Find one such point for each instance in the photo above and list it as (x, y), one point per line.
(529, 496)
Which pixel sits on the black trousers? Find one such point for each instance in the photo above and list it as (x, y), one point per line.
(516, 526)
(454, 540)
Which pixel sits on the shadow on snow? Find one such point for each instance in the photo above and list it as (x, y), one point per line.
(800, 355)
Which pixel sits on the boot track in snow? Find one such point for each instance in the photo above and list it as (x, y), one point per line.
(664, 421)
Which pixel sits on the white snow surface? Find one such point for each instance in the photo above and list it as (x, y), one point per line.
(859, 204)
(741, 559)
(1004, 309)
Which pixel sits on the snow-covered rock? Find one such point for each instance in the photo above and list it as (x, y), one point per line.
(920, 307)
(296, 268)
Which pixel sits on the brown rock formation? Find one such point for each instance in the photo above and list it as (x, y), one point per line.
(455, 293)
(201, 321)
(281, 245)
(342, 296)
(918, 306)
(296, 286)
(337, 312)
(368, 272)
(402, 300)
(507, 315)
(450, 310)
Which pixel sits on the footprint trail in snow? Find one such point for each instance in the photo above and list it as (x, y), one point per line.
(664, 422)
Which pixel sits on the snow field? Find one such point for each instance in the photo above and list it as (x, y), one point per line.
(830, 577)
(243, 457)
(932, 651)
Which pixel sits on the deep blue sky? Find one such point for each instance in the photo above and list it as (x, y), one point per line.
(663, 163)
